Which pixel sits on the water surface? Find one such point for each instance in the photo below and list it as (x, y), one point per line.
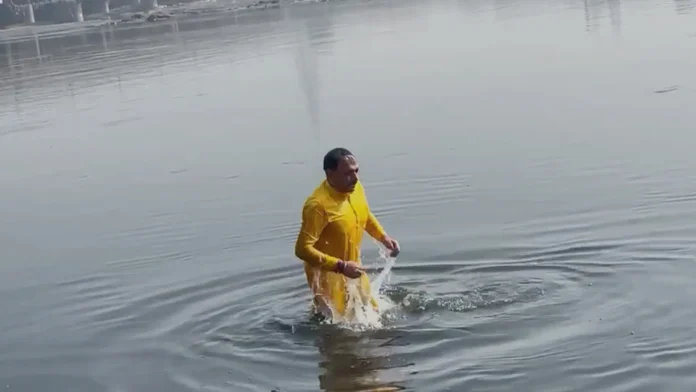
(534, 159)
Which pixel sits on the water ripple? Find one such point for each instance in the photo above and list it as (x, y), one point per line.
(546, 221)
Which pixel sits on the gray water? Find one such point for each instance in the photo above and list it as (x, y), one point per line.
(535, 160)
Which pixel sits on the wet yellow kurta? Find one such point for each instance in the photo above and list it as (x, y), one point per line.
(332, 228)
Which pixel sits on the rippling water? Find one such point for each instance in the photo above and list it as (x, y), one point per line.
(534, 159)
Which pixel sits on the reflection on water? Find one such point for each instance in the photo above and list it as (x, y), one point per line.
(684, 6)
(358, 361)
(25, 50)
(595, 11)
(540, 188)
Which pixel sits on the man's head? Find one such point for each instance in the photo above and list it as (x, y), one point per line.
(341, 169)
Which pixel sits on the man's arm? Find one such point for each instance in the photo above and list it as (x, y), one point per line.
(376, 231)
(313, 223)
(374, 228)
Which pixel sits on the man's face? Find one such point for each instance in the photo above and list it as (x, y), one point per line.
(345, 177)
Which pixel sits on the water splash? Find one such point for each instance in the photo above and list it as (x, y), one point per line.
(378, 282)
(360, 314)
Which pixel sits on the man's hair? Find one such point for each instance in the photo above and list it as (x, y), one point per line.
(334, 156)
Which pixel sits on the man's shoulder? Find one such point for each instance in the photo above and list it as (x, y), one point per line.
(316, 199)
(360, 189)
(313, 201)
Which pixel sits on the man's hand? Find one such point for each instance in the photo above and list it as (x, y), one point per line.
(350, 269)
(392, 245)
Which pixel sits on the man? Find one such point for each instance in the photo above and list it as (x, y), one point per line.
(334, 217)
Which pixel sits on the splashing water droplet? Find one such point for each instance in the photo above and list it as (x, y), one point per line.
(360, 314)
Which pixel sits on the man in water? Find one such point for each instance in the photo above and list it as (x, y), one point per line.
(334, 217)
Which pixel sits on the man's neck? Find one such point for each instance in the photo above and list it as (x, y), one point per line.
(335, 192)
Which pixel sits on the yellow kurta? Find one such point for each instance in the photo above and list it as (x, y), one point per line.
(332, 228)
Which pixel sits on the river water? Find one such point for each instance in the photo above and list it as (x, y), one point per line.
(535, 159)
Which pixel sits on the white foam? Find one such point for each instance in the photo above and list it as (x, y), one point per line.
(359, 313)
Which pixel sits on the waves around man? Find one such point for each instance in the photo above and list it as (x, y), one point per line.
(334, 218)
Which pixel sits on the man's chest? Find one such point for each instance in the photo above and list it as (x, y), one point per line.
(347, 215)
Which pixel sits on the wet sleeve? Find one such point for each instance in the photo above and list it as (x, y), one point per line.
(314, 221)
(373, 227)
